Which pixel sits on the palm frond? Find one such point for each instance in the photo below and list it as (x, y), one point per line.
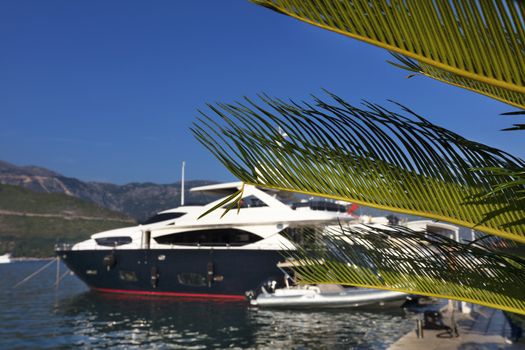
(479, 45)
(507, 96)
(371, 156)
(425, 263)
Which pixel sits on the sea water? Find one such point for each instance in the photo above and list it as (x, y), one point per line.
(36, 315)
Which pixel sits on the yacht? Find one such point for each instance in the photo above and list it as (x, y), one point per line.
(6, 258)
(176, 253)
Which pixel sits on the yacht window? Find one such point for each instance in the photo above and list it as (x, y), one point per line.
(213, 237)
(250, 202)
(162, 217)
(113, 241)
(320, 205)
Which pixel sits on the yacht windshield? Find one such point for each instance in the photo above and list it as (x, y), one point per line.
(320, 205)
(162, 217)
(113, 241)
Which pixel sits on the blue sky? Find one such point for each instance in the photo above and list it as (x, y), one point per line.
(106, 90)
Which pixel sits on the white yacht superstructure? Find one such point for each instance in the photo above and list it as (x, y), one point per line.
(177, 253)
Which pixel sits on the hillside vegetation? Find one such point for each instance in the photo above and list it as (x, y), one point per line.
(32, 223)
(138, 200)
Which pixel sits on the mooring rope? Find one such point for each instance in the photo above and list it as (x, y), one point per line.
(35, 273)
(61, 277)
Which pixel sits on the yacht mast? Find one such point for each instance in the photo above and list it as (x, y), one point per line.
(182, 184)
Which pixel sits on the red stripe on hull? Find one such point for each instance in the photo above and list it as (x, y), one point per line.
(172, 294)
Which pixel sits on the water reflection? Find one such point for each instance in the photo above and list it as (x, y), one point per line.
(37, 315)
(105, 320)
(316, 329)
(134, 321)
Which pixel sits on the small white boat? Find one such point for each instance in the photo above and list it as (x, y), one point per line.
(326, 296)
(6, 258)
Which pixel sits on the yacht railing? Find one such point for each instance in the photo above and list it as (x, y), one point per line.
(69, 247)
(63, 246)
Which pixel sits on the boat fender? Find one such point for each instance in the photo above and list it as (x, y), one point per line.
(154, 277)
(109, 261)
(209, 269)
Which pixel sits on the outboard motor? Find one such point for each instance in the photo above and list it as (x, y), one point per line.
(269, 286)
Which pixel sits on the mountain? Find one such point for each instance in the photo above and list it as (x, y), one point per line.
(32, 222)
(138, 200)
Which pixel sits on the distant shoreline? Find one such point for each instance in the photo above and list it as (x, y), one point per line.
(30, 259)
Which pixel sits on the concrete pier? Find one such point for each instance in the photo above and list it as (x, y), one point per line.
(484, 329)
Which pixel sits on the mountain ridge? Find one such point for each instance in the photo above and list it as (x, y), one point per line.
(136, 199)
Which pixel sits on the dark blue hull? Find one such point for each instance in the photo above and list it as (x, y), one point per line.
(202, 272)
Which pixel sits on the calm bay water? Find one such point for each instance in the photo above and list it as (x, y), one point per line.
(36, 315)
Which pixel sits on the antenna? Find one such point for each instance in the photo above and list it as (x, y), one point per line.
(182, 184)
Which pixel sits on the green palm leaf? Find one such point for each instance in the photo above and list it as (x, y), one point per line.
(479, 45)
(425, 263)
(370, 156)
(498, 93)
